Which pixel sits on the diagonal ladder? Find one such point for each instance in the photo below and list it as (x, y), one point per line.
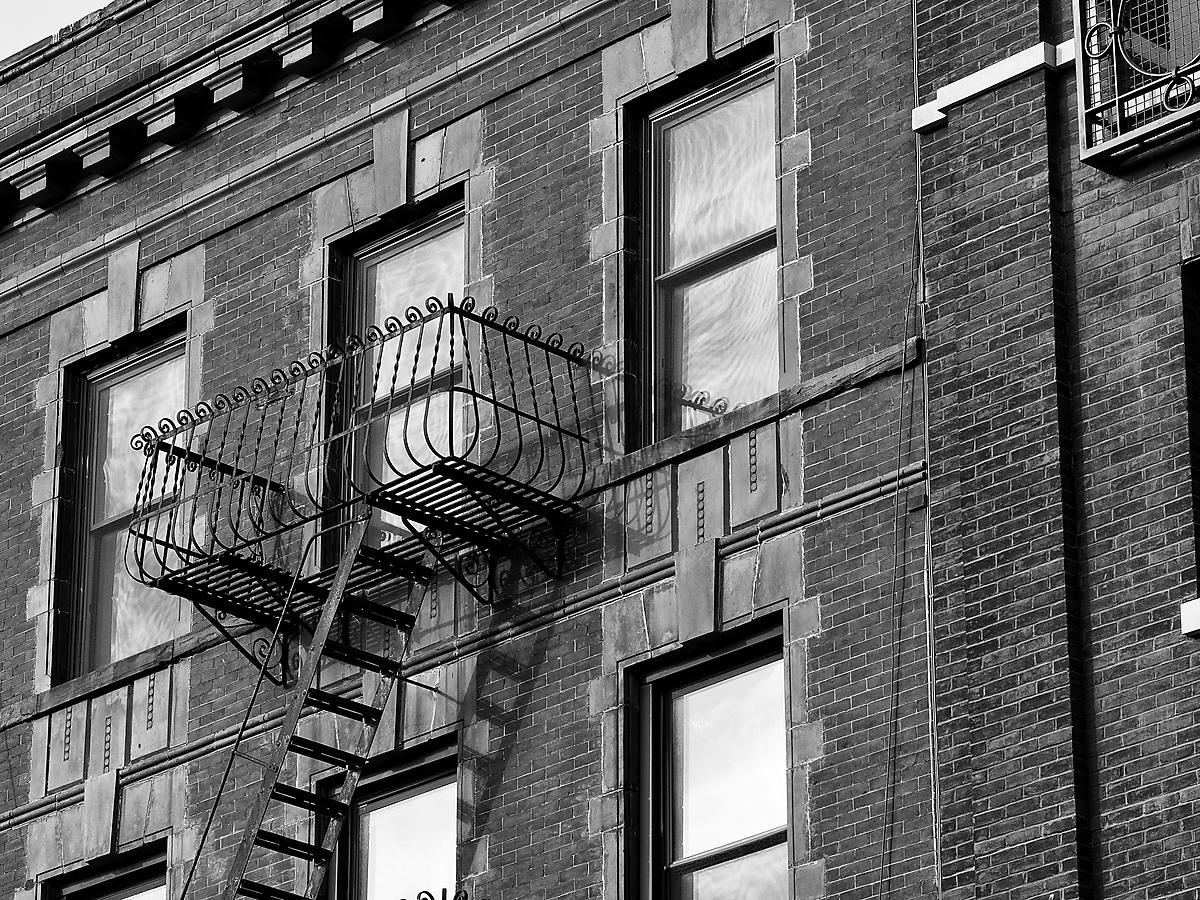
(326, 813)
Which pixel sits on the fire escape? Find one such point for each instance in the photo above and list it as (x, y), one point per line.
(322, 505)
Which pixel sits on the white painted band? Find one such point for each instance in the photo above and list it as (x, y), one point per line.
(932, 115)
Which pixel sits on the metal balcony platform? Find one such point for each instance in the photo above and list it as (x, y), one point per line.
(458, 434)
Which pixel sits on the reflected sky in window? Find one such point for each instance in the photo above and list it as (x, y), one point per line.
(729, 760)
(411, 845)
(722, 181)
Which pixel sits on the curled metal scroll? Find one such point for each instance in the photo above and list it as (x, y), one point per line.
(1144, 55)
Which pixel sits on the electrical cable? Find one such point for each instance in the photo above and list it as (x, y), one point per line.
(915, 301)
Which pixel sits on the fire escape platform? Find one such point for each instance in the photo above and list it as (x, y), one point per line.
(454, 505)
(457, 434)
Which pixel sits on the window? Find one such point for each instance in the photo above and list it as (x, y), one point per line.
(389, 278)
(111, 615)
(712, 317)
(140, 880)
(715, 793)
(402, 838)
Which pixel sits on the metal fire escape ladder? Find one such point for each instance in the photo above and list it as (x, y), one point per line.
(325, 502)
(327, 813)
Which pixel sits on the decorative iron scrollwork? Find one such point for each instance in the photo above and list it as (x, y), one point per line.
(1141, 61)
(478, 440)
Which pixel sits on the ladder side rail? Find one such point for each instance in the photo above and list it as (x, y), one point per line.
(308, 673)
(489, 429)
(554, 478)
(578, 373)
(469, 389)
(241, 732)
(345, 793)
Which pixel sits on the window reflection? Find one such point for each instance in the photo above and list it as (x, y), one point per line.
(120, 616)
(722, 181)
(729, 760)
(713, 342)
(410, 844)
(718, 820)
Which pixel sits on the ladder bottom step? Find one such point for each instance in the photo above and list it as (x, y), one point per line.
(259, 891)
(318, 803)
(339, 706)
(325, 753)
(292, 847)
(362, 659)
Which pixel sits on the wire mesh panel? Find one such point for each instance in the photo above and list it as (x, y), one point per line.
(1139, 64)
(459, 429)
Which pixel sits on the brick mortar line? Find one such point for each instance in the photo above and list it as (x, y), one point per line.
(242, 180)
(831, 505)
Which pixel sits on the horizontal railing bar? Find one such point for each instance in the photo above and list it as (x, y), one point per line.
(217, 466)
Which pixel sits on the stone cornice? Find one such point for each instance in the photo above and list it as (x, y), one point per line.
(173, 105)
(530, 39)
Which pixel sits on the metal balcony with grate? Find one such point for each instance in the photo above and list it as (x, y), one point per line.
(1138, 67)
(322, 502)
(461, 431)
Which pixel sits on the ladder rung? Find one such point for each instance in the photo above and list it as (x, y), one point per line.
(396, 565)
(377, 612)
(325, 753)
(327, 806)
(340, 706)
(260, 891)
(361, 658)
(292, 847)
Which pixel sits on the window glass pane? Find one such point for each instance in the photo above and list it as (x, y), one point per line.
(411, 845)
(155, 893)
(129, 617)
(721, 185)
(759, 876)
(728, 760)
(723, 337)
(121, 409)
(431, 268)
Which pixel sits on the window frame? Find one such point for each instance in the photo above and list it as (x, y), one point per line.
(653, 863)
(351, 316)
(347, 875)
(80, 532)
(655, 277)
(120, 881)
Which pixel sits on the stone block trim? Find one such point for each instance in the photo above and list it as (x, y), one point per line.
(403, 171)
(706, 601)
(133, 302)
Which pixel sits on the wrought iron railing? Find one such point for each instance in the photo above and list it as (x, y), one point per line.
(462, 431)
(1139, 62)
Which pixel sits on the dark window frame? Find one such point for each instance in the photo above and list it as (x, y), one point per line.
(79, 532)
(649, 417)
(126, 877)
(406, 777)
(651, 863)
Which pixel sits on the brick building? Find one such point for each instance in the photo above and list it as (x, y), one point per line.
(855, 556)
